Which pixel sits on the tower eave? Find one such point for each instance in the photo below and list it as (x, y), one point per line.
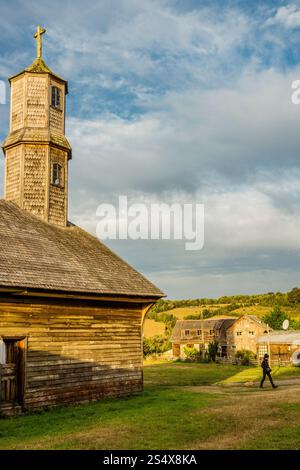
(40, 67)
(35, 136)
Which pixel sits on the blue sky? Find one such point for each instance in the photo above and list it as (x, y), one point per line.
(179, 100)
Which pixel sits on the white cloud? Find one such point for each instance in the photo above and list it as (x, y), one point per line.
(234, 149)
(145, 44)
(287, 16)
(212, 125)
(189, 139)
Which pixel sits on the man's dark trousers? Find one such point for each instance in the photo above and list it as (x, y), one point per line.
(267, 373)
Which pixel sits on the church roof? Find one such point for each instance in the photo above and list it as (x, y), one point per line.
(37, 255)
(37, 135)
(39, 66)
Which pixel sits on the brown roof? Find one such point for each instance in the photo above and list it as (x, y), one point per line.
(38, 255)
(39, 66)
(253, 318)
(37, 135)
(211, 323)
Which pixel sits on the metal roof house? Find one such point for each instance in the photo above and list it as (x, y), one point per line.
(283, 347)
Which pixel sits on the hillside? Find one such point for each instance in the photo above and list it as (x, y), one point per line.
(153, 328)
(168, 311)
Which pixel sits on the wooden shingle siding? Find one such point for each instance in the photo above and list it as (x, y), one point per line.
(37, 128)
(17, 104)
(37, 101)
(13, 172)
(58, 195)
(76, 353)
(34, 184)
(56, 116)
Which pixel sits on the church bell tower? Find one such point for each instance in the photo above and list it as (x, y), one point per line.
(36, 149)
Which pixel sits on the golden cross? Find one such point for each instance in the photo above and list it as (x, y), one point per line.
(38, 36)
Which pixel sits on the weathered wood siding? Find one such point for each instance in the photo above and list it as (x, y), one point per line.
(34, 181)
(76, 352)
(280, 354)
(58, 195)
(17, 104)
(37, 100)
(13, 175)
(56, 116)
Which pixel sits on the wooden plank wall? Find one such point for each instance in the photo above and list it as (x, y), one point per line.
(280, 354)
(76, 353)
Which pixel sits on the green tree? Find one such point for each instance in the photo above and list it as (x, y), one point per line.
(244, 356)
(213, 350)
(156, 345)
(192, 354)
(275, 318)
(294, 296)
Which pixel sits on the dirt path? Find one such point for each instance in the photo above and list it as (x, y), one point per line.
(249, 412)
(280, 383)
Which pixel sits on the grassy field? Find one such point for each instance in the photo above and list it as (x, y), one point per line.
(258, 310)
(181, 312)
(252, 374)
(153, 328)
(182, 407)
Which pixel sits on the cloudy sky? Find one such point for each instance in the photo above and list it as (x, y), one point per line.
(179, 101)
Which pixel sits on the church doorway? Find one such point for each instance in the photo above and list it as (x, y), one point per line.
(12, 370)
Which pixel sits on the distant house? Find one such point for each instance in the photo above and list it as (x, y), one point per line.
(282, 346)
(243, 334)
(232, 334)
(198, 334)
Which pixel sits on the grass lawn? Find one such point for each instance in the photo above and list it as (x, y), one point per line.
(250, 374)
(181, 408)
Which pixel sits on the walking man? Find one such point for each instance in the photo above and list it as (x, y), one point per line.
(266, 371)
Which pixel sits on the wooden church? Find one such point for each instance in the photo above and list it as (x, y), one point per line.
(71, 311)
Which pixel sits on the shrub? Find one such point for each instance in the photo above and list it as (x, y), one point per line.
(191, 353)
(156, 345)
(244, 356)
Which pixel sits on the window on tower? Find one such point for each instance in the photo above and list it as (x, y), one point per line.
(55, 97)
(57, 175)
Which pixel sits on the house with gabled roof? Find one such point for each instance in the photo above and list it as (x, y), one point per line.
(243, 334)
(198, 334)
(232, 334)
